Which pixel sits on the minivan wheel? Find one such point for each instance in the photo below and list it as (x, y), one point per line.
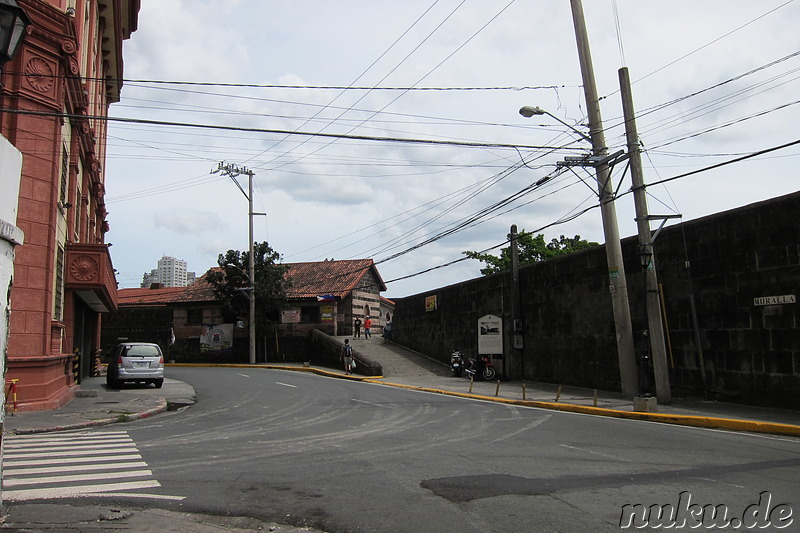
(158, 383)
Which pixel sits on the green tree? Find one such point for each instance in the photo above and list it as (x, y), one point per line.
(531, 248)
(231, 283)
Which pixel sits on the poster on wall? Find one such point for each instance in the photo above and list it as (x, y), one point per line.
(290, 316)
(326, 313)
(216, 337)
(431, 303)
(490, 335)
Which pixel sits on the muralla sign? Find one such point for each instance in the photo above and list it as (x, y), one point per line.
(775, 300)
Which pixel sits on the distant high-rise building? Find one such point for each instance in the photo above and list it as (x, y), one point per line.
(171, 272)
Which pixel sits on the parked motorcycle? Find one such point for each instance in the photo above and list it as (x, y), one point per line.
(482, 368)
(456, 363)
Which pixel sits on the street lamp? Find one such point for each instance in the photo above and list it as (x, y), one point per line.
(13, 24)
(617, 283)
(528, 111)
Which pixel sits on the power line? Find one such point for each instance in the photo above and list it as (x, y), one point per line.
(280, 131)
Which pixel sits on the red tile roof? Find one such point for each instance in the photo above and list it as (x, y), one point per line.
(309, 280)
(338, 278)
(162, 296)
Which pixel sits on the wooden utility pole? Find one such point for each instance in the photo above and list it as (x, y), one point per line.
(616, 268)
(656, 329)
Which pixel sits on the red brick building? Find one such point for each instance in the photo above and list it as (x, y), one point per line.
(56, 94)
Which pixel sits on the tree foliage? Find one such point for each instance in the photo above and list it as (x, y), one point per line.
(531, 248)
(231, 284)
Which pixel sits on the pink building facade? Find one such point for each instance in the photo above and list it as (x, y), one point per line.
(55, 97)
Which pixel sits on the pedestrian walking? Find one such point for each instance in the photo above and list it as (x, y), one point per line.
(367, 325)
(357, 328)
(347, 357)
(387, 330)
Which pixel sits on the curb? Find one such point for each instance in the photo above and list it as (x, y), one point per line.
(682, 420)
(708, 422)
(160, 408)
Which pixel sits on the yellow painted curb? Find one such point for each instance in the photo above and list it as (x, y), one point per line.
(682, 420)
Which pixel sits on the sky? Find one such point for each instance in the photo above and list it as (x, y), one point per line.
(390, 130)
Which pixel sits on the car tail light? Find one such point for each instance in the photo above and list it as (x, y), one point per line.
(161, 361)
(119, 360)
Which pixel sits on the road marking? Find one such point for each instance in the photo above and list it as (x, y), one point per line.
(526, 428)
(595, 453)
(72, 492)
(70, 479)
(131, 495)
(71, 453)
(63, 460)
(243, 375)
(68, 465)
(77, 468)
(286, 384)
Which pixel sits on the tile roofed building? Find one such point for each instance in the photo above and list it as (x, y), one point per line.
(326, 295)
(338, 278)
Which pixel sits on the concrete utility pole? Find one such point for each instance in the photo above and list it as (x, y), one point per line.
(233, 171)
(656, 329)
(616, 267)
(510, 367)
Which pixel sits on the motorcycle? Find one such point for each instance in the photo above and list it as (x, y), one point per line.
(456, 363)
(481, 368)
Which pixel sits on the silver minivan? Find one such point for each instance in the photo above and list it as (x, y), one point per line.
(140, 362)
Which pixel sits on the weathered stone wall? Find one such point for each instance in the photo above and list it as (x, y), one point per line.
(751, 353)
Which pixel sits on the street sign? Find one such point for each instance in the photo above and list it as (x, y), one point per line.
(775, 300)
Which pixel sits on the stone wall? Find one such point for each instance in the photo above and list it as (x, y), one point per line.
(749, 347)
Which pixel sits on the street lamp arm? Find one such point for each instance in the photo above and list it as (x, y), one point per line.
(245, 274)
(529, 111)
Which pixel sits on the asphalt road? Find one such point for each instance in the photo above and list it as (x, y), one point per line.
(345, 456)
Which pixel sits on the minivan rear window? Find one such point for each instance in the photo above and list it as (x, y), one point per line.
(142, 350)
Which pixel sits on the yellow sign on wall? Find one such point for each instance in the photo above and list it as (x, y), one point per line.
(431, 304)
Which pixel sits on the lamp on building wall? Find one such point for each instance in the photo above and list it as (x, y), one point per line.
(13, 26)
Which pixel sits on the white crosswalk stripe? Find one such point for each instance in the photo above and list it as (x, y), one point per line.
(68, 465)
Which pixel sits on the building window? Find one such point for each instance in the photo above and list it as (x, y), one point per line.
(309, 314)
(194, 317)
(77, 208)
(58, 304)
(64, 174)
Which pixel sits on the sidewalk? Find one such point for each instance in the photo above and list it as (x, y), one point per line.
(96, 405)
(409, 369)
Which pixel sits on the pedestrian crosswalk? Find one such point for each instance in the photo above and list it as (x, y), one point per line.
(68, 465)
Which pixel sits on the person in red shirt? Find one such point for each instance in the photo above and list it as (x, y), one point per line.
(367, 325)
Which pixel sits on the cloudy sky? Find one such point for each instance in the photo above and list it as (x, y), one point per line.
(240, 81)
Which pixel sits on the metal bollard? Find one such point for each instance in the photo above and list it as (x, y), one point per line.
(471, 381)
(523, 392)
(13, 391)
(497, 390)
(595, 397)
(558, 393)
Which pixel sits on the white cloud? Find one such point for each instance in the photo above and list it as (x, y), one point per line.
(352, 198)
(189, 221)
